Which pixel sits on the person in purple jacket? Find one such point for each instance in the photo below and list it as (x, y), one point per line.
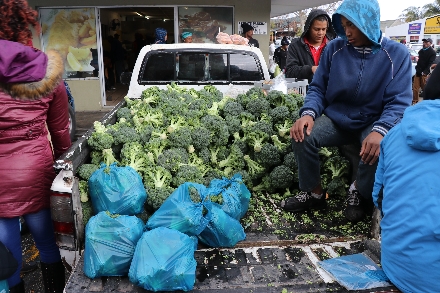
(358, 93)
(33, 104)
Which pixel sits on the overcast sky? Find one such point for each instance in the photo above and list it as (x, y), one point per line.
(391, 9)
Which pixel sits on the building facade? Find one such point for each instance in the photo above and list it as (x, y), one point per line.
(415, 31)
(80, 31)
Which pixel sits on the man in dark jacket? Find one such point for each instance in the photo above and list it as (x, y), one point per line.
(280, 55)
(304, 52)
(426, 59)
(248, 32)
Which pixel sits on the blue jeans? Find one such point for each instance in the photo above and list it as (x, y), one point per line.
(325, 134)
(41, 227)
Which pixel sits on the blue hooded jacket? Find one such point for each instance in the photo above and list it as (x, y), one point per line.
(356, 89)
(408, 172)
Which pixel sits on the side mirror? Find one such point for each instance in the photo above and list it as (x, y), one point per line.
(126, 78)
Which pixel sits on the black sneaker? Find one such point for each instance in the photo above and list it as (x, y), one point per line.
(303, 201)
(354, 211)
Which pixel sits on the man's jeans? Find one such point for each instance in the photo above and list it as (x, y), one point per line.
(325, 134)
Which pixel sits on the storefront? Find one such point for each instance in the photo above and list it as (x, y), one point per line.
(415, 31)
(80, 32)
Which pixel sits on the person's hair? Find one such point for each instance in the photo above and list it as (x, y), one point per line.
(321, 18)
(16, 16)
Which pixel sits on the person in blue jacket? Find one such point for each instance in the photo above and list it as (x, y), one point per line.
(358, 93)
(408, 173)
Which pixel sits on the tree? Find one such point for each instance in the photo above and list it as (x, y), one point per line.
(431, 9)
(412, 13)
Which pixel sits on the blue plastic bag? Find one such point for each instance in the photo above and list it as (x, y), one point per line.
(222, 230)
(110, 244)
(4, 288)
(180, 213)
(236, 195)
(355, 272)
(120, 191)
(164, 261)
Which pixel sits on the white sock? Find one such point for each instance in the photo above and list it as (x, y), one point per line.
(318, 196)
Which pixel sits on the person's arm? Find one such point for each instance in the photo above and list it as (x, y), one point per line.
(58, 120)
(378, 182)
(397, 95)
(294, 67)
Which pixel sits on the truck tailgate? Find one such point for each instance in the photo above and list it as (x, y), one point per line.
(258, 264)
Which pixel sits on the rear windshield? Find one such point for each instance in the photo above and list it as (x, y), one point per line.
(191, 67)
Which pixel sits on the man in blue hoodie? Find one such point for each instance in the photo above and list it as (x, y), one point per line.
(408, 173)
(359, 92)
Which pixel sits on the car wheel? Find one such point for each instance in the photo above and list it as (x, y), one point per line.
(72, 123)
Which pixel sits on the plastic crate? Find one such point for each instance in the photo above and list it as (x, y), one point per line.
(294, 85)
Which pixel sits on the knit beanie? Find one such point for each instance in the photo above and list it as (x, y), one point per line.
(246, 27)
(284, 41)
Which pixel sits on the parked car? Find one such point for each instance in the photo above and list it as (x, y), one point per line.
(414, 55)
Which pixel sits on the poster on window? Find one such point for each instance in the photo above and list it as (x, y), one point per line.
(205, 22)
(71, 32)
(260, 28)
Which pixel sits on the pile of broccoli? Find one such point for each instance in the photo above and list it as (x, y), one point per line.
(182, 135)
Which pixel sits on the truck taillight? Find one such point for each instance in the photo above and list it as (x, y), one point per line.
(62, 217)
(64, 228)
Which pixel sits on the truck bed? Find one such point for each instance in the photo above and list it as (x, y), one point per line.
(258, 264)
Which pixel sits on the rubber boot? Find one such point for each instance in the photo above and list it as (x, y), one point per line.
(19, 288)
(53, 277)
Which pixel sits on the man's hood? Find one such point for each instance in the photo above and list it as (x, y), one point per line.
(365, 15)
(27, 73)
(421, 126)
(314, 14)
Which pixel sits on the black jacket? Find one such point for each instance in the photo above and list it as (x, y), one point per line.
(254, 43)
(426, 58)
(299, 58)
(280, 57)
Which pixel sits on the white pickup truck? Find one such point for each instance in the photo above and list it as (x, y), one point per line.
(267, 260)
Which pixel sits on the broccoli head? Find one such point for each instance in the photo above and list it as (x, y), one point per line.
(100, 138)
(281, 177)
(157, 196)
(157, 177)
(268, 156)
(86, 170)
(172, 158)
(254, 169)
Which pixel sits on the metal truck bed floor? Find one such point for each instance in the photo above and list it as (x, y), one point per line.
(250, 267)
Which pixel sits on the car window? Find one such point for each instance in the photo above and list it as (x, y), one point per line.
(200, 66)
(244, 68)
(159, 67)
(191, 66)
(218, 67)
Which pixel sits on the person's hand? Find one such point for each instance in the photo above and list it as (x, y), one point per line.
(297, 129)
(370, 148)
(314, 69)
